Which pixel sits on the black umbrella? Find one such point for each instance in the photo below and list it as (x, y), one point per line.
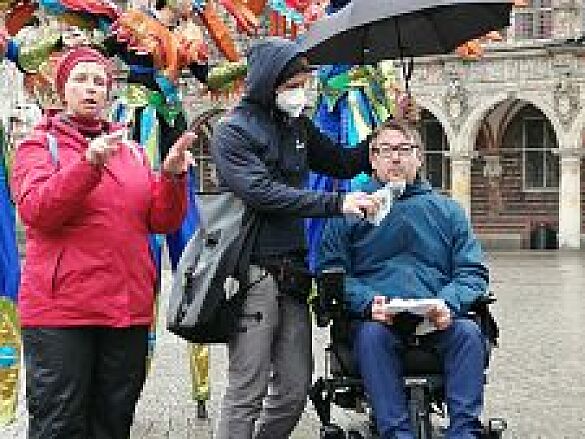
(368, 31)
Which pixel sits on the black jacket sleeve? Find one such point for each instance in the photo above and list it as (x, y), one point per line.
(240, 168)
(327, 157)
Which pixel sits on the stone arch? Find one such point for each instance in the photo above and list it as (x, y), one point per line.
(469, 131)
(492, 196)
(510, 114)
(439, 114)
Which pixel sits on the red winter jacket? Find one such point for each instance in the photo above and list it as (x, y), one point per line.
(87, 258)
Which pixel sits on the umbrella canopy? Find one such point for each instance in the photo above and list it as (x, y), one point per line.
(368, 31)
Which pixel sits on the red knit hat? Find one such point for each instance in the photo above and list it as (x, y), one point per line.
(73, 57)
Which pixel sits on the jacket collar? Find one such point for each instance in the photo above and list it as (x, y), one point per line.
(417, 187)
(79, 142)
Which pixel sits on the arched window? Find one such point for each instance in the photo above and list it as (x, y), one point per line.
(436, 163)
(540, 165)
(533, 21)
(528, 152)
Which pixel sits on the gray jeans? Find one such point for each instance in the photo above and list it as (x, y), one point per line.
(270, 366)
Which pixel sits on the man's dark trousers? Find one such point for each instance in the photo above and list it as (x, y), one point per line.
(378, 352)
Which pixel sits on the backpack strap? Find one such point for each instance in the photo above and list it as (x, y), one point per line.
(53, 149)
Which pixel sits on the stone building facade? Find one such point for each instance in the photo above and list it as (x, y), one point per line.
(504, 134)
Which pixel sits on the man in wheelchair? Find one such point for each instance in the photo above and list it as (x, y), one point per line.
(421, 247)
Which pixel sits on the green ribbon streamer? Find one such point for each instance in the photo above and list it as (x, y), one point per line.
(140, 96)
(368, 79)
(31, 57)
(169, 112)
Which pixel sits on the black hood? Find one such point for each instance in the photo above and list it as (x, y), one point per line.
(266, 59)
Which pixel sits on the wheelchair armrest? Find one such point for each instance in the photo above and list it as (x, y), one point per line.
(480, 312)
(484, 301)
(328, 303)
(481, 304)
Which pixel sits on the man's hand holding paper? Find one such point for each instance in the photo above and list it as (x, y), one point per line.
(439, 316)
(436, 313)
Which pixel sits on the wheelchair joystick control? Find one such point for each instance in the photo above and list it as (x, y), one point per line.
(497, 426)
(330, 286)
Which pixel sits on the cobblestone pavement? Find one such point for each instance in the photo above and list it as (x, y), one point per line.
(537, 376)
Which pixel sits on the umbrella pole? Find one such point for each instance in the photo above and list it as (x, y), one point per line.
(406, 70)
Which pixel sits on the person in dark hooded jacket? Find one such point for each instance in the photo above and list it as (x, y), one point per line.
(263, 151)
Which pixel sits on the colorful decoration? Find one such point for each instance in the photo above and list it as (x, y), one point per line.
(19, 15)
(9, 360)
(256, 6)
(156, 124)
(352, 101)
(219, 32)
(226, 77)
(191, 45)
(245, 18)
(86, 14)
(37, 61)
(104, 8)
(172, 50)
(145, 34)
(6, 5)
(9, 280)
(284, 19)
(32, 58)
(199, 365)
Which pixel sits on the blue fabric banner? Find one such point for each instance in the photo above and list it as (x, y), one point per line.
(9, 260)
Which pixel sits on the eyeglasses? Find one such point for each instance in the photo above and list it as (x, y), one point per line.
(386, 149)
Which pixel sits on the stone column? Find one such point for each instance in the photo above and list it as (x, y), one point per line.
(570, 199)
(461, 178)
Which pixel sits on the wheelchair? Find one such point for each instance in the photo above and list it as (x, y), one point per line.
(423, 377)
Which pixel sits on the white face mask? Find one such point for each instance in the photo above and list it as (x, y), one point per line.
(292, 101)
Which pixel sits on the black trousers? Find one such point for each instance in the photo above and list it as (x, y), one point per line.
(83, 383)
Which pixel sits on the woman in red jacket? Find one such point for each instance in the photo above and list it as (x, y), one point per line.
(88, 201)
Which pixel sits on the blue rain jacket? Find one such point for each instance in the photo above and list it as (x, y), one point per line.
(424, 248)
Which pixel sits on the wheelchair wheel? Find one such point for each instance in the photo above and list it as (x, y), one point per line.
(420, 415)
(332, 431)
